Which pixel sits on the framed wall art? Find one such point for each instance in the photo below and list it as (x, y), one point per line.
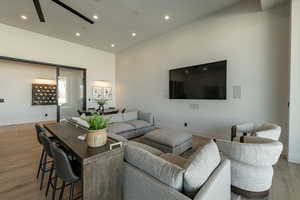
(107, 93)
(44, 94)
(97, 93)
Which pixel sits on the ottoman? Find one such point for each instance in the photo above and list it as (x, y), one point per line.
(168, 140)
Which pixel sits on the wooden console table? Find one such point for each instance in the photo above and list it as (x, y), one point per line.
(101, 167)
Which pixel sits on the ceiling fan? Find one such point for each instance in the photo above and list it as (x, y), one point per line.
(40, 13)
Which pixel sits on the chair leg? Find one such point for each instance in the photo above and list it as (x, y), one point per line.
(49, 179)
(62, 190)
(40, 164)
(71, 196)
(43, 171)
(54, 187)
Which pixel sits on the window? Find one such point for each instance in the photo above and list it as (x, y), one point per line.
(62, 90)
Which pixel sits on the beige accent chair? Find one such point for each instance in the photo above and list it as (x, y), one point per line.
(267, 130)
(251, 164)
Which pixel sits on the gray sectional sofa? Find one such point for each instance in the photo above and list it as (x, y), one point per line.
(150, 174)
(154, 170)
(130, 124)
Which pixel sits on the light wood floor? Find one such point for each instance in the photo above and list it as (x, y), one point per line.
(19, 154)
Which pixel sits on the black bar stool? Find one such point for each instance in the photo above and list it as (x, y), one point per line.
(66, 170)
(46, 141)
(46, 152)
(39, 130)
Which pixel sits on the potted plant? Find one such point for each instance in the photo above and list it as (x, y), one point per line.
(101, 103)
(97, 135)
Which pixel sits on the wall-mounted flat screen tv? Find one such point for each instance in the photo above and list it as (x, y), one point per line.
(205, 81)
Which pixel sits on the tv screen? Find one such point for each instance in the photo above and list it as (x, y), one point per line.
(206, 81)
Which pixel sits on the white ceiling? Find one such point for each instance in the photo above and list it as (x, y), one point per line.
(117, 19)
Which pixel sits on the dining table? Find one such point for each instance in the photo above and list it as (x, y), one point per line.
(101, 167)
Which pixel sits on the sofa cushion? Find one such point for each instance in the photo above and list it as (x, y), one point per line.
(113, 118)
(146, 147)
(168, 137)
(81, 121)
(136, 133)
(129, 135)
(199, 167)
(119, 127)
(139, 123)
(148, 117)
(175, 159)
(132, 115)
(166, 172)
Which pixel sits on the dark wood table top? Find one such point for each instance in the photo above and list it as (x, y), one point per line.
(68, 134)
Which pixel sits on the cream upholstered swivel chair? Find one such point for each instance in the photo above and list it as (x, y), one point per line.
(267, 130)
(251, 164)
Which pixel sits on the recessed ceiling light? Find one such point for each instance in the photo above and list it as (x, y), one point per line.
(112, 45)
(95, 17)
(77, 34)
(133, 34)
(24, 17)
(167, 17)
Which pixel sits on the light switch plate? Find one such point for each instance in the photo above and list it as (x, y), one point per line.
(194, 106)
(236, 92)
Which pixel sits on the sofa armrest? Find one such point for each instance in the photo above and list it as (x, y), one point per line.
(218, 186)
(148, 117)
(271, 131)
(119, 138)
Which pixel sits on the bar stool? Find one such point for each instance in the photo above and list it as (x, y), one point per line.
(65, 171)
(46, 153)
(46, 141)
(39, 130)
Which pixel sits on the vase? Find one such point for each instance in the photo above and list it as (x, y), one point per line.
(101, 109)
(96, 138)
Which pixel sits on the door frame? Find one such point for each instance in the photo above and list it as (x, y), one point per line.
(58, 116)
(57, 66)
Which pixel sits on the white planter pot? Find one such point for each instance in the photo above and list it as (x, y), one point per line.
(96, 138)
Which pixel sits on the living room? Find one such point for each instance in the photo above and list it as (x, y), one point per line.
(112, 94)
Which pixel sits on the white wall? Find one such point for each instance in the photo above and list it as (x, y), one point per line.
(254, 42)
(294, 126)
(15, 85)
(23, 44)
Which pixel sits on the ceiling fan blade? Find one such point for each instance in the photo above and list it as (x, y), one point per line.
(73, 11)
(39, 11)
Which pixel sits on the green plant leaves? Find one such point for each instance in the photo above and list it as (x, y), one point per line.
(97, 122)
